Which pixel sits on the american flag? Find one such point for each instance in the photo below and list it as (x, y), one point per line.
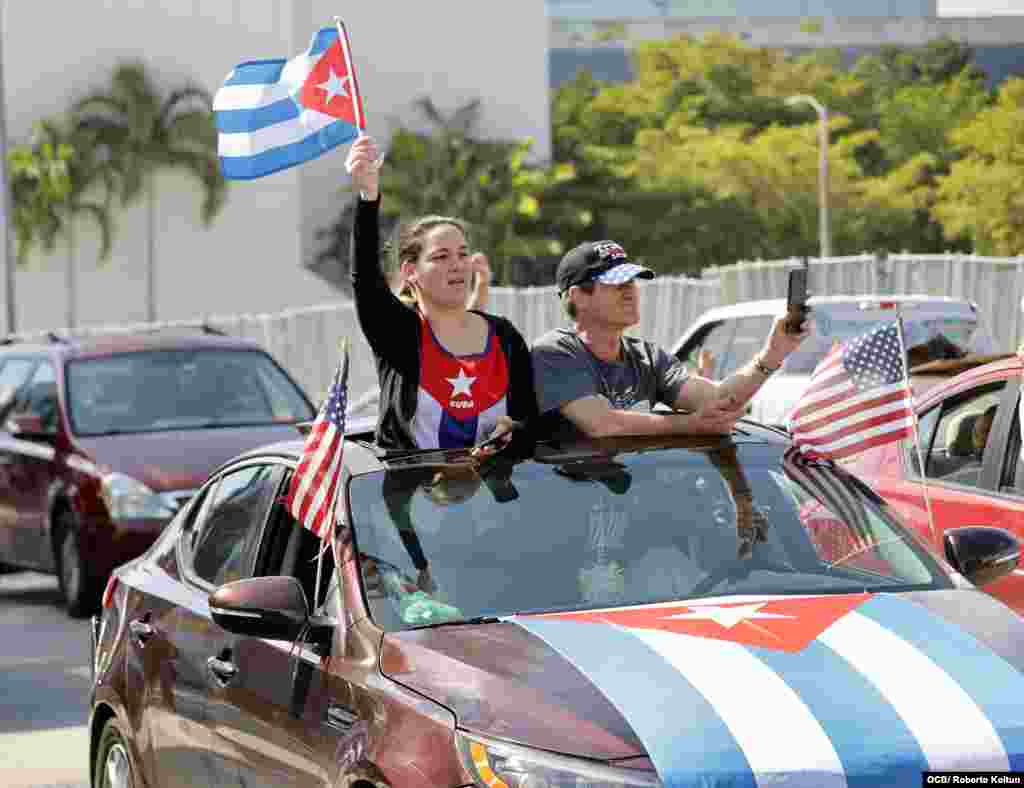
(858, 397)
(312, 490)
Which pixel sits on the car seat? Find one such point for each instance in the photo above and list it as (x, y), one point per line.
(960, 436)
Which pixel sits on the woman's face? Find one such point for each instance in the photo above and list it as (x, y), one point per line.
(442, 272)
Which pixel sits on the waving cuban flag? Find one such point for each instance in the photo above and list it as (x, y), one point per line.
(274, 114)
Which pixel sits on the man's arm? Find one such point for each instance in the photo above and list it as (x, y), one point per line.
(746, 381)
(596, 418)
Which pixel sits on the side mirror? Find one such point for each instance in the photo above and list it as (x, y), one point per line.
(27, 425)
(980, 553)
(266, 607)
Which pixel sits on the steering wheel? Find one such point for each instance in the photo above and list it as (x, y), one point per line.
(738, 569)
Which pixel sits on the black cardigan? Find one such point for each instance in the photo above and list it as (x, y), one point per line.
(393, 331)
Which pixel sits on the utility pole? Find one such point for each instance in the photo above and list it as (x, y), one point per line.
(824, 225)
(9, 261)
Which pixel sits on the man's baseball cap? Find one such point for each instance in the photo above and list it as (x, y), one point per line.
(598, 261)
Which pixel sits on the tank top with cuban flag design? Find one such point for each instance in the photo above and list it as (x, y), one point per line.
(460, 397)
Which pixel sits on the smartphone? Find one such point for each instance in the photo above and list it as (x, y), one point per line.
(796, 299)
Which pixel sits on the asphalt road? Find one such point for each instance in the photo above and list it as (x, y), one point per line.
(44, 686)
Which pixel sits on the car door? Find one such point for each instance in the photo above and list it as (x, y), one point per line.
(223, 549)
(170, 633)
(283, 712)
(963, 467)
(33, 467)
(14, 375)
(1007, 479)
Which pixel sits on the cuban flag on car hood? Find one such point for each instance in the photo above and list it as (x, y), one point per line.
(805, 692)
(274, 114)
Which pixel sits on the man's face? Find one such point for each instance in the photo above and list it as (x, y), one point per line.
(612, 306)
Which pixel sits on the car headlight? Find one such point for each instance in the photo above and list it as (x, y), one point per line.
(127, 498)
(499, 765)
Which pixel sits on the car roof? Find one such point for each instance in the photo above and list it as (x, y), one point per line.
(105, 345)
(993, 371)
(776, 306)
(367, 456)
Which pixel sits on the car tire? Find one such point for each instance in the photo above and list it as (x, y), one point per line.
(77, 585)
(113, 766)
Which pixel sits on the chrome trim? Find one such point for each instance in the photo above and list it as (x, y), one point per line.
(94, 638)
(223, 611)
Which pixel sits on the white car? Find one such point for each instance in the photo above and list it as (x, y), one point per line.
(936, 328)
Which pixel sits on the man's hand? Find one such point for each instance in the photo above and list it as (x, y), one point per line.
(781, 343)
(363, 164)
(718, 416)
(497, 440)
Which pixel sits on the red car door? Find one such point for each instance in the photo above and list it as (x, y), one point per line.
(966, 445)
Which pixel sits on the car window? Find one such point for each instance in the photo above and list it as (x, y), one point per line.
(13, 375)
(1015, 455)
(961, 435)
(232, 522)
(715, 342)
(39, 396)
(914, 450)
(181, 389)
(749, 337)
(440, 543)
(291, 550)
(930, 338)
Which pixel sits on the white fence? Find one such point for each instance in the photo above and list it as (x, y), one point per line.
(306, 341)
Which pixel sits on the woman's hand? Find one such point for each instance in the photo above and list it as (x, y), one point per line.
(498, 439)
(363, 164)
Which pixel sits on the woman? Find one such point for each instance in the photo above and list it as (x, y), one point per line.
(450, 377)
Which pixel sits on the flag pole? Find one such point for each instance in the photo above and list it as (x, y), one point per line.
(328, 538)
(917, 441)
(357, 103)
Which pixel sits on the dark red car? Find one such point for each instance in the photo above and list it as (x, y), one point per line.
(101, 441)
(970, 444)
(627, 613)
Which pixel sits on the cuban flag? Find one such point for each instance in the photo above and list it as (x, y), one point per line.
(275, 114)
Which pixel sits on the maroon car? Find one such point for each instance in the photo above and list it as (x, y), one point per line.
(101, 441)
(623, 613)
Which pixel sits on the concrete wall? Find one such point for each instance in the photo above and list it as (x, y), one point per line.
(250, 260)
(592, 9)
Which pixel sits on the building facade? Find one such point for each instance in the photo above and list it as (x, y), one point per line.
(253, 259)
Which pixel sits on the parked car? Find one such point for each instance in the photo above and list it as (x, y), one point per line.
(937, 328)
(623, 612)
(969, 439)
(102, 441)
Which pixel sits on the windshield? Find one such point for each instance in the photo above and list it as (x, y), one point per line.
(442, 544)
(927, 339)
(180, 389)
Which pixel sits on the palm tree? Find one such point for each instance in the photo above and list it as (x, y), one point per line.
(146, 132)
(92, 182)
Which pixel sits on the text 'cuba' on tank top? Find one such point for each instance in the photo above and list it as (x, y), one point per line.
(460, 397)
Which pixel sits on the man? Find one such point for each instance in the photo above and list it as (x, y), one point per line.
(594, 380)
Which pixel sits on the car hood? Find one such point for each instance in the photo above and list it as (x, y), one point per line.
(178, 459)
(812, 690)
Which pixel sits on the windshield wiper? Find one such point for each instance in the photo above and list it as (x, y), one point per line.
(458, 622)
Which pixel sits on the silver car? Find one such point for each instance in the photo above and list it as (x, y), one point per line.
(935, 328)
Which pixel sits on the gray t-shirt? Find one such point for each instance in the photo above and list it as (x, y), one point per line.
(564, 370)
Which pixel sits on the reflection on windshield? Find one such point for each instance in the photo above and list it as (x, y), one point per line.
(180, 389)
(927, 340)
(620, 530)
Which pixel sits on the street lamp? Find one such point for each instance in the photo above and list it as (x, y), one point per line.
(824, 231)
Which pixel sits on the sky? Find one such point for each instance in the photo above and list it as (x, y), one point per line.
(980, 7)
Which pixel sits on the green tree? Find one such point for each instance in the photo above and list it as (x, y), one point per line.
(450, 171)
(93, 181)
(983, 194)
(145, 132)
(40, 183)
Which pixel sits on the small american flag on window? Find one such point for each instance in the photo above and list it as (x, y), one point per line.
(858, 397)
(312, 490)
